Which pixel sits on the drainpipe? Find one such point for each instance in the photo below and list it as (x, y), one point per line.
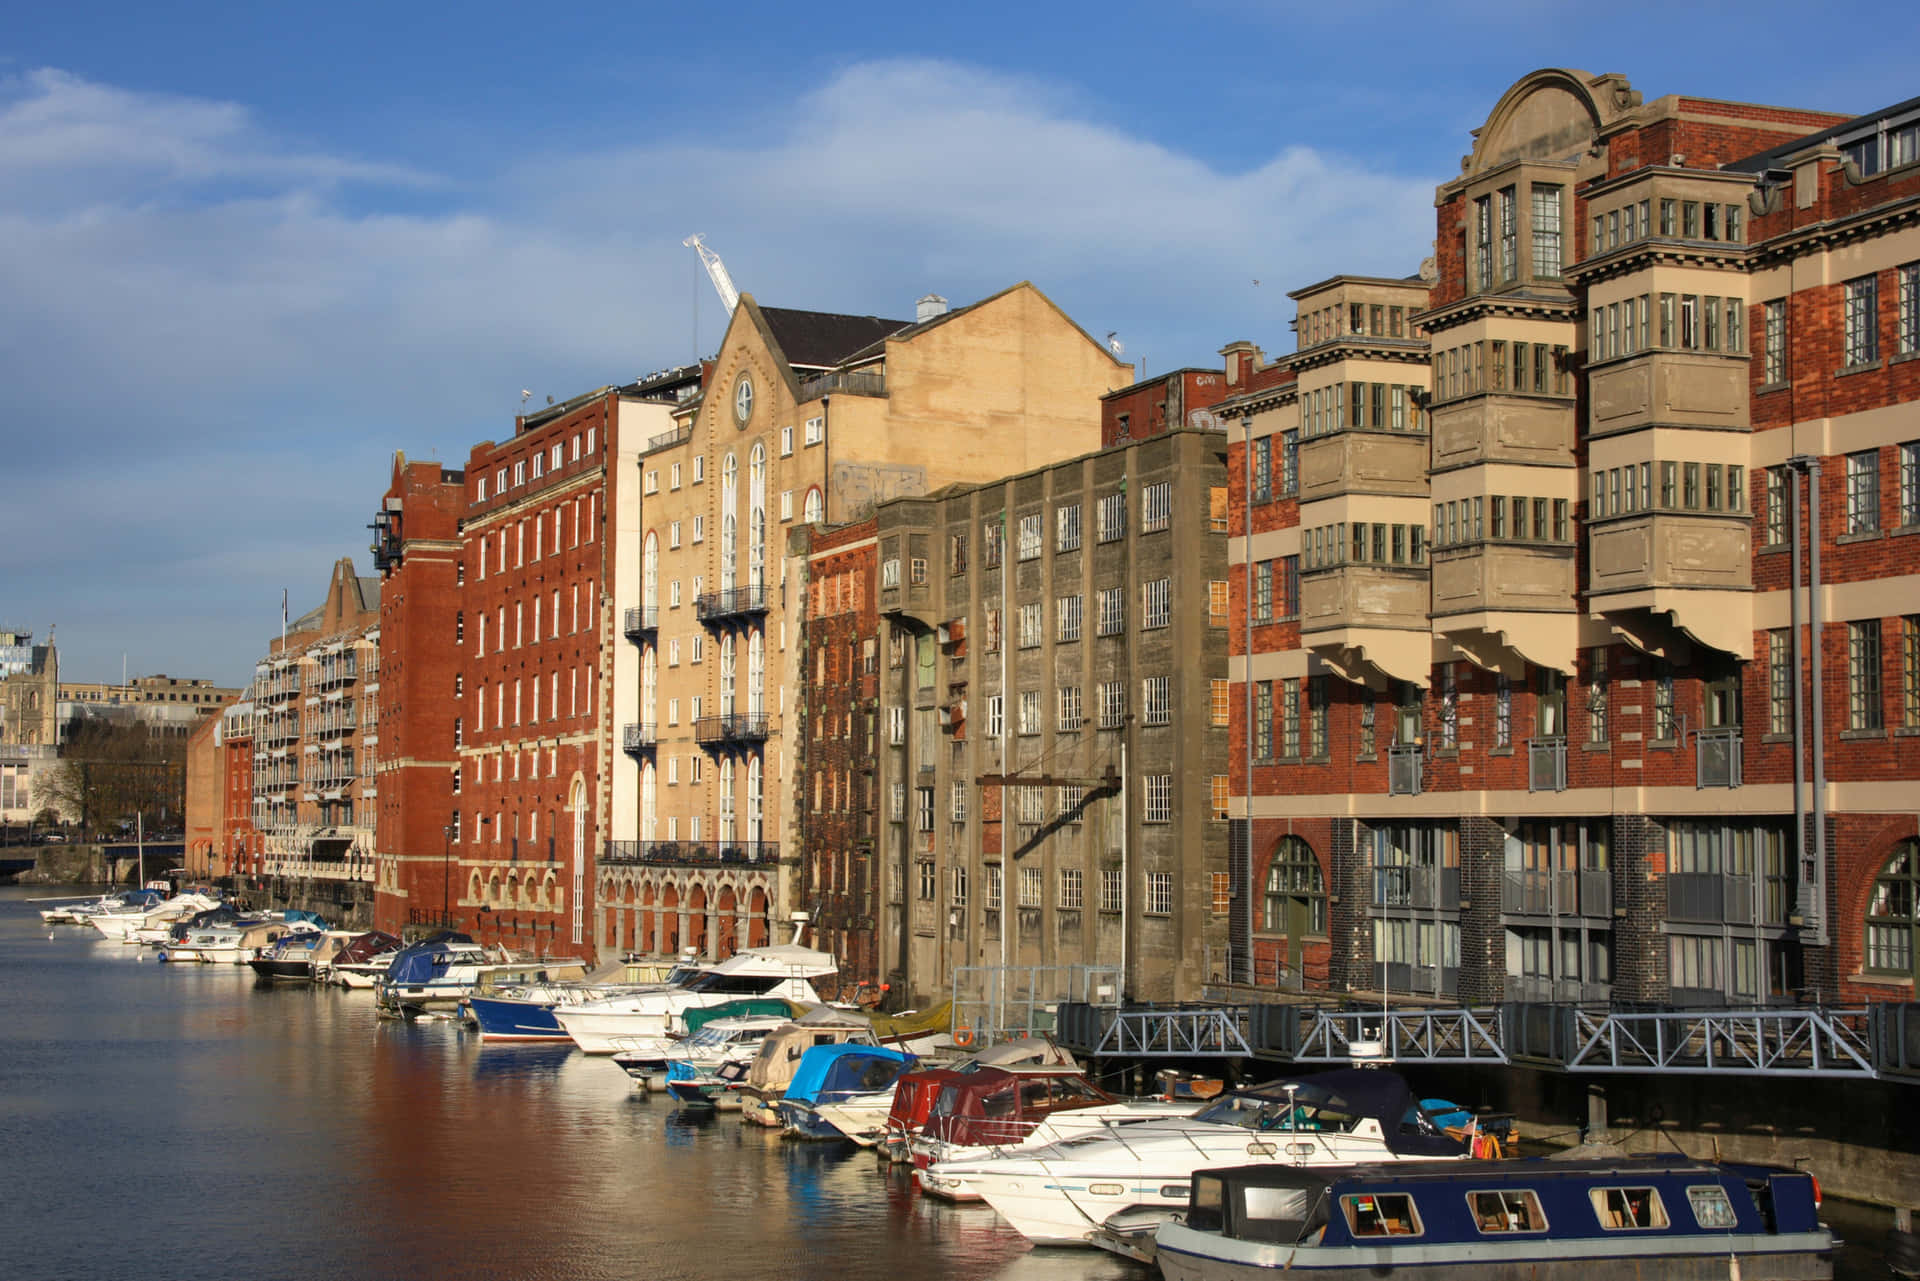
(1814, 535)
(1246, 681)
(1804, 890)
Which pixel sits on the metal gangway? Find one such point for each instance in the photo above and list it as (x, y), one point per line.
(1836, 1042)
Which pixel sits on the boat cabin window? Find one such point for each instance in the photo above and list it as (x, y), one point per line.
(1309, 1109)
(1276, 1214)
(1507, 1210)
(1628, 1208)
(1381, 1214)
(1711, 1208)
(1205, 1204)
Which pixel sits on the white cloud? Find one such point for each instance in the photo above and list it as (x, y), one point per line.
(185, 287)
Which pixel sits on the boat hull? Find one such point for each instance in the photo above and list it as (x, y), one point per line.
(300, 971)
(502, 1020)
(1186, 1255)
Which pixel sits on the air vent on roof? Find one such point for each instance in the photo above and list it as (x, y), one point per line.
(928, 307)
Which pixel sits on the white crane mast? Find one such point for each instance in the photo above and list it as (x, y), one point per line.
(716, 271)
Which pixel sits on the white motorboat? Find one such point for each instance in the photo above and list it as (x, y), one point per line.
(640, 1023)
(234, 944)
(122, 926)
(1063, 1192)
(81, 911)
(700, 1057)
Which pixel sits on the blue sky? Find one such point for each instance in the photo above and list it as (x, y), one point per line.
(247, 252)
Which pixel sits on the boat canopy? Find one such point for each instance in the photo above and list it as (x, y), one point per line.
(993, 1105)
(846, 1069)
(913, 1097)
(365, 947)
(1338, 1101)
(781, 1053)
(294, 914)
(905, 1027)
(416, 964)
(699, 1016)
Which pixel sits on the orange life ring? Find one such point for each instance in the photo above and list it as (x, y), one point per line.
(963, 1036)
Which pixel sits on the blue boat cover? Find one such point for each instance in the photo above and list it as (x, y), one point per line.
(827, 1069)
(414, 964)
(293, 914)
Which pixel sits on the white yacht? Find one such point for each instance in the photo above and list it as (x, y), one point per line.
(639, 1023)
(1063, 1192)
(124, 926)
(236, 942)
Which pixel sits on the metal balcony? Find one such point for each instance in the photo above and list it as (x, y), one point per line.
(731, 603)
(693, 853)
(642, 621)
(638, 737)
(1410, 885)
(1562, 893)
(733, 727)
(667, 438)
(1716, 758)
(1546, 765)
(1404, 764)
(856, 383)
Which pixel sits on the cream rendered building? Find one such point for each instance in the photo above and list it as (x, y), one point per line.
(807, 417)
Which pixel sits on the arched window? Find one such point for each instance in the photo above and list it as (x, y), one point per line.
(753, 799)
(756, 675)
(1296, 890)
(726, 801)
(649, 676)
(1891, 916)
(729, 525)
(815, 509)
(757, 517)
(726, 674)
(648, 821)
(649, 576)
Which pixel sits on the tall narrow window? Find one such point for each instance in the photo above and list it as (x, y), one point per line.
(1863, 492)
(1779, 684)
(1547, 253)
(1863, 675)
(1509, 236)
(1861, 334)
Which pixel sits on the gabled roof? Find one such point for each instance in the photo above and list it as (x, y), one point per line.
(908, 332)
(822, 339)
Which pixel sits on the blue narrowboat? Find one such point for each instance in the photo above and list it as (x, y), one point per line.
(1623, 1219)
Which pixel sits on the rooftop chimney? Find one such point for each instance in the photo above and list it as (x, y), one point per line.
(928, 307)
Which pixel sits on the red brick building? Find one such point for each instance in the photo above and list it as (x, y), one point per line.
(1520, 679)
(838, 706)
(417, 553)
(1154, 406)
(534, 641)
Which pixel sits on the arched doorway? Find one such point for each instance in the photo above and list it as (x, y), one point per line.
(726, 908)
(757, 927)
(697, 918)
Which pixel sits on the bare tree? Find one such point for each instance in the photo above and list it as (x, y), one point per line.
(107, 774)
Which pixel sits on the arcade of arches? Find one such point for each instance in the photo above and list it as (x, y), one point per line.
(658, 916)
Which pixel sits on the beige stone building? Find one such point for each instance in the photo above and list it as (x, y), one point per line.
(806, 417)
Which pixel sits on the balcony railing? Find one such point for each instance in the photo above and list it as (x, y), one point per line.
(853, 384)
(1716, 898)
(1404, 763)
(667, 438)
(1543, 990)
(731, 602)
(732, 727)
(641, 736)
(693, 852)
(1411, 886)
(1546, 765)
(1716, 758)
(1564, 893)
(642, 619)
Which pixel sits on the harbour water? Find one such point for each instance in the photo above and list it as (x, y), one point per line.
(183, 1121)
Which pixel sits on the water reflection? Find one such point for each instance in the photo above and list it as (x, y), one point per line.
(298, 1136)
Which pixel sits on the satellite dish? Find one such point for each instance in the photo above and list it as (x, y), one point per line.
(1203, 420)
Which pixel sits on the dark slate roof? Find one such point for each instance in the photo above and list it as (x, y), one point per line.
(1771, 158)
(824, 338)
